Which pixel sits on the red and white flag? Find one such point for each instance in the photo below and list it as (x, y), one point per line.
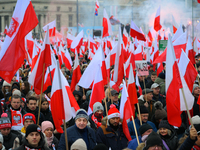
(98, 93)
(178, 33)
(63, 103)
(107, 29)
(52, 28)
(157, 25)
(125, 111)
(173, 86)
(187, 70)
(76, 73)
(77, 42)
(138, 53)
(34, 55)
(125, 37)
(5, 30)
(138, 84)
(29, 43)
(189, 51)
(67, 59)
(70, 38)
(132, 92)
(96, 7)
(135, 32)
(13, 51)
(43, 61)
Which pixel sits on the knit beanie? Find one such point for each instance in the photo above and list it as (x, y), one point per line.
(6, 83)
(196, 119)
(113, 112)
(5, 123)
(162, 75)
(97, 106)
(79, 144)
(29, 116)
(164, 124)
(81, 113)
(153, 139)
(144, 127)
(5, 115)
(17, 92)
(160, 113)
(1, 138)
(194, 86)
(100, 146)
(45, 125)
(143, 109)
(33, 128)
(15, 87)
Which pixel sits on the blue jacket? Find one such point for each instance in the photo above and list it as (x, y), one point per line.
(188, 144)
(116, 140)
(133, 144)
(73, 133)
(137, 124)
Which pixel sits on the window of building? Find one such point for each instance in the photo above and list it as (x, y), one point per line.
(3, 7)
(13, 7)
(70, 9)
(45, 7)
(70, 20)
(58, 8)
(58, 22)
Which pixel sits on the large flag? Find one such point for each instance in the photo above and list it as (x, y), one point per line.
(178, 33)
(43, 61)
(135, 32)
(189, 51)
(157, 25)
(125, 111)
(76, 73)
(77, 42)
(98, 93)
(52, 28)
(63, 103)
(13, 51)
(173, 86)
(107, 30)
(96, 7)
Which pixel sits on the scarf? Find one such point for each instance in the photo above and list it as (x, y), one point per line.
(23, 130)
(96, 121)
(27, 148)
(195, 147)
(16, 119)
(49, 140)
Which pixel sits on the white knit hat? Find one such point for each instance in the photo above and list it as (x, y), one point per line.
(79, 145)
(196, 119)
(6, 83)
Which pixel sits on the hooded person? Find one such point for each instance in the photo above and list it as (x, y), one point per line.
(112, 134)
(79, 130)
(97, 115)
(47, 129)
(168, 135)
(34, 139)
(79, 144)
(144, 131)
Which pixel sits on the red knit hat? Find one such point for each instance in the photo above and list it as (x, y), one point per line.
(29, 116)
(113, 112)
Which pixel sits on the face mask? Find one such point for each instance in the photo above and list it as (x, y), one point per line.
(6, 90)
(144, 138)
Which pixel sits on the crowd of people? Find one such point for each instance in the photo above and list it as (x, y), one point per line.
(24, 127)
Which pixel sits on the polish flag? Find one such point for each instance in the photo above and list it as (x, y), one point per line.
(136, 32)
(77, 42)
(157, 25)
(63, 103)
(189, 51)
(125, 111)
(52, 28)
(88, 76)
(17, 79)
(178, 33)
(130, 62)
(98, 93)
(34, 56)
(76, 73)
(132, 92)
(107, 61)
(107, 29)
(92, 45)
(119, 62)
(138, 53)
(66, 59)
(159, 68)
(138, 84)
(96, 7)
(152, 34)
(125, 37)
(174, 25)
(173, 85)
(43, 61)
(159, 35)
(5, 30)
(29, 43)
(70, 38)
(13, 51)
(114, 85)
(198, 46)
(187, 70)
(155, 54)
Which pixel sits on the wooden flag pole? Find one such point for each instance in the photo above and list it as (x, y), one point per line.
(188, 113)
(66, 140)
(139, 113)
(41, 94)
(135, 130)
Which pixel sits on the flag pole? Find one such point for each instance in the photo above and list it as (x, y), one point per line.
(139, 113)
(135, 130)
(66, 140)
(188, 113)
(41, 93)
